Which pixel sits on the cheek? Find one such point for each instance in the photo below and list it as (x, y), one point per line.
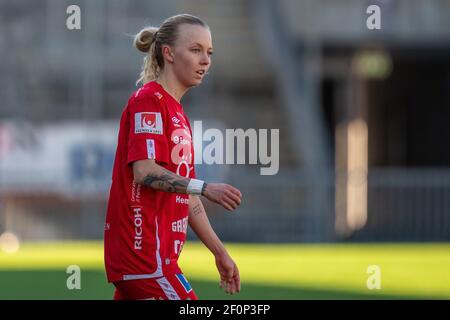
(188, 62)
(185, 67)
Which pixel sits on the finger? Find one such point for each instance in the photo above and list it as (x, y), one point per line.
(234, 197)
(235, 191)
(224, 286)
(236, 273)
(237, 278)
(239, 193)
(231, 202)
(233, 288)
(237, 281)
(230, 287)
(226, 205)
(234, 283)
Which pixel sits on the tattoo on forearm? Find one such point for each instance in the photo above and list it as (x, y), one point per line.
(167, 181)
(196, 210)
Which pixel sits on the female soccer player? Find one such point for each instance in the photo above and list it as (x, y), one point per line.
(154, 192)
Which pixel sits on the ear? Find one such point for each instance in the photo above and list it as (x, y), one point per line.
(167, 53)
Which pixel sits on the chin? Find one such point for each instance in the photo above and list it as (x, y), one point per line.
(196, 82)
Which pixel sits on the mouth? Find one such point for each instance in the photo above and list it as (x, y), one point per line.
(200, 72)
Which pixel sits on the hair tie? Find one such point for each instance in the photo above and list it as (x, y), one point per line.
(154, 36)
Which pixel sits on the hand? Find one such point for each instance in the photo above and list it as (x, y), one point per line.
(227, 196)
(230, 280)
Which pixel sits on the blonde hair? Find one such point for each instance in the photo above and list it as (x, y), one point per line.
(151, 39)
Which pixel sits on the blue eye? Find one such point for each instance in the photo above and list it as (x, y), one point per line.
(195, 50)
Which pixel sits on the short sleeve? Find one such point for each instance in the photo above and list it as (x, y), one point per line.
(147, 139)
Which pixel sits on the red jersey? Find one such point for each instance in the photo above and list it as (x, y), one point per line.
(145, 228)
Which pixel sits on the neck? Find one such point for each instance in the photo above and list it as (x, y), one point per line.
(169, 82)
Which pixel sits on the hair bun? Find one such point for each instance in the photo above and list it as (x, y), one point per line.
(144, 39)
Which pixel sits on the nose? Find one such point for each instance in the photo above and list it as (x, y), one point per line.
(205, 60)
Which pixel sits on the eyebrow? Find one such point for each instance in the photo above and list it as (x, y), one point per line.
(198, 44)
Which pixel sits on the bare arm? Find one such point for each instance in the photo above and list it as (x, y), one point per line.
(199, 222)
(152, 175)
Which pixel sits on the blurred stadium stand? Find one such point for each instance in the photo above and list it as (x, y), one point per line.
(289, 64)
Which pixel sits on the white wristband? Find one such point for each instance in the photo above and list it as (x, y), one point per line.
(195, 186)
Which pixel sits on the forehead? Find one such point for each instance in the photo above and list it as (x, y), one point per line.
(189, 34)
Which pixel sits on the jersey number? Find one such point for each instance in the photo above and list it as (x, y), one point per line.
(178, 246)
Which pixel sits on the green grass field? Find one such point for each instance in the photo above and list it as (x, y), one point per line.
(288, 271)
